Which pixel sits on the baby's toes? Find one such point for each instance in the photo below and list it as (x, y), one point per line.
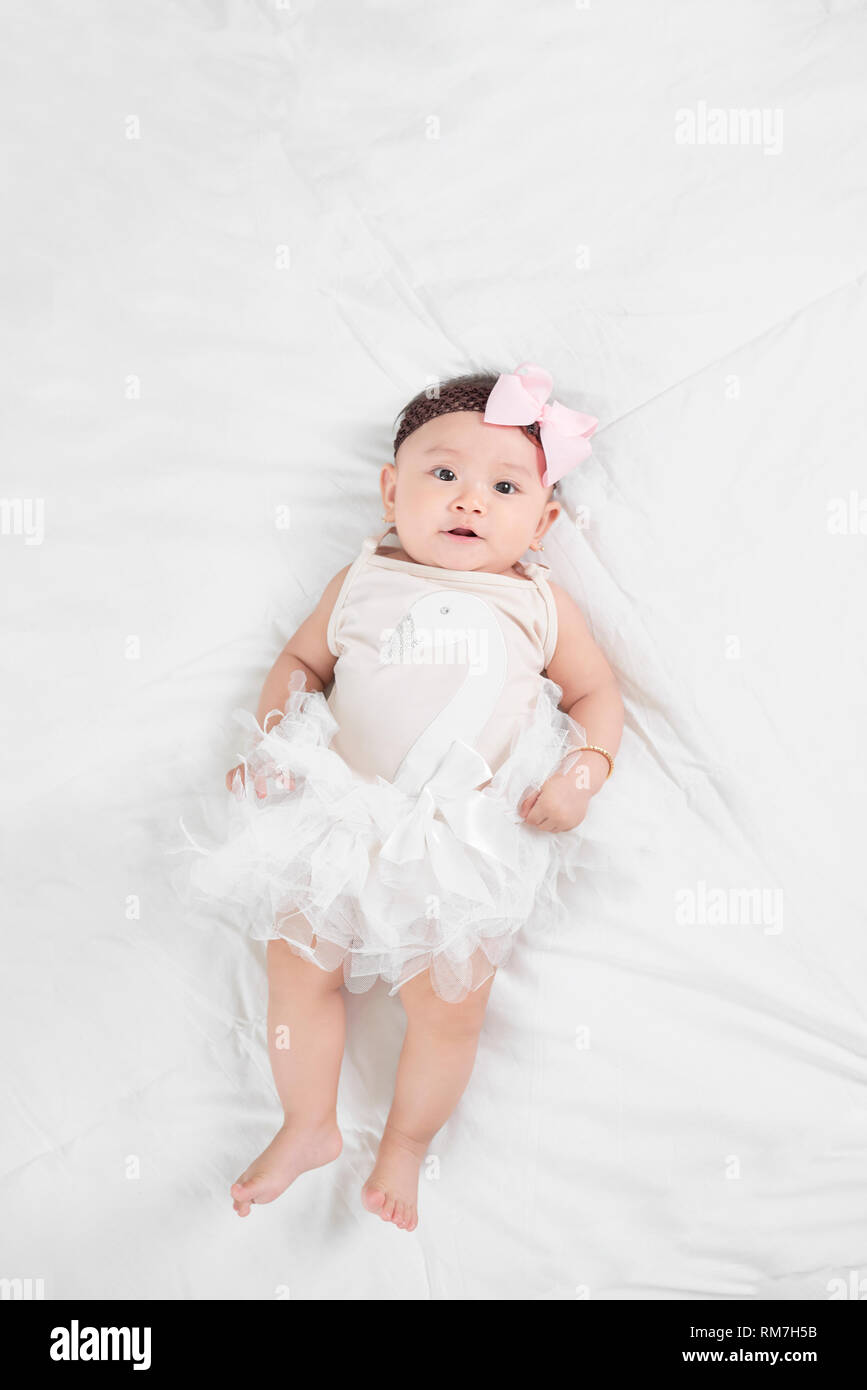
(374, 1199)
(247, 1191)
(240, 1199)
(389, 1205)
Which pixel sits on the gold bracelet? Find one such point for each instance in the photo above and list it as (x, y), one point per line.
(594, 748)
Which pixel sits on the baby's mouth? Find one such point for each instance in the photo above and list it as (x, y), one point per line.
(465, 532)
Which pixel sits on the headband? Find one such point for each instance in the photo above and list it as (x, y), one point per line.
(514, 399)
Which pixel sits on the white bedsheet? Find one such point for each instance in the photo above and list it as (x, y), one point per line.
(242, 235)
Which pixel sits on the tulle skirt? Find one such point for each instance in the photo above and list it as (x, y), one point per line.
(352, 872)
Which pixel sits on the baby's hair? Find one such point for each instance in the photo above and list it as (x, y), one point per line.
(469, 392)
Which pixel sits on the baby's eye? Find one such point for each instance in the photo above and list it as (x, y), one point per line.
(505, 484)
(443, 469)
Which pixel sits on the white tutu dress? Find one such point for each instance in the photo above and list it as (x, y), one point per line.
(399, 848)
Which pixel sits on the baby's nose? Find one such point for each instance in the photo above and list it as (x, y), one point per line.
(471, 500)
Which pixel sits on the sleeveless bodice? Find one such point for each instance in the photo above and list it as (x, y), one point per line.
(427, 655)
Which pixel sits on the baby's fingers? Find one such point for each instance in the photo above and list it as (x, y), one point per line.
(528, 803)
(275, 779)
(263, 782)
(543, 812)
(235, 780)
(283, 781)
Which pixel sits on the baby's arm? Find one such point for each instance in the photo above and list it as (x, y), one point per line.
(306, 651)
(591, 697)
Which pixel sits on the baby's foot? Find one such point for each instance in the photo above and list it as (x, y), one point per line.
(294, 1148)
(391, 1191)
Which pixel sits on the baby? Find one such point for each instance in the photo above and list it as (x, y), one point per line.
(405, 827)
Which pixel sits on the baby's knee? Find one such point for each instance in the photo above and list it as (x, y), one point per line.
(461, 1019)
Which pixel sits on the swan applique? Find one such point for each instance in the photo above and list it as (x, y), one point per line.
(442, 625)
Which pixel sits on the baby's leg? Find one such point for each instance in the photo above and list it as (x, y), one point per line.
(306, 1031)
(436, 1062)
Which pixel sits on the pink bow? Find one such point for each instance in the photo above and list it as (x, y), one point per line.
(519, 400)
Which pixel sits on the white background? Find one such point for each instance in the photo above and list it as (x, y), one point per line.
(238, 237)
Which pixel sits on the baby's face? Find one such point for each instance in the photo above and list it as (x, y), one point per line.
(456, 473)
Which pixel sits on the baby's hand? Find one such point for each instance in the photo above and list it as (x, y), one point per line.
(235, 782)
(558, 805)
